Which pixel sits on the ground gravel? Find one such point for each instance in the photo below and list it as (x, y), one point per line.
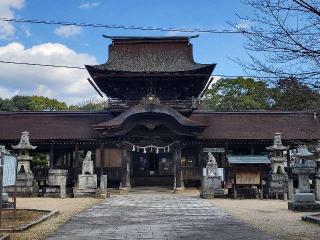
(67, 208)
(271, 216)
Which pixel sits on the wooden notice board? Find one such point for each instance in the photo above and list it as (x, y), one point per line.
(248, 175)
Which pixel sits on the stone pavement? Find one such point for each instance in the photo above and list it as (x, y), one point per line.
(156, 216)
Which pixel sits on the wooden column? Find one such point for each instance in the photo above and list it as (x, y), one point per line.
(252, 149)
(178, 175)
(51, 156)
(76, 162)
(125, 170)
(235, 195)
(102, 157)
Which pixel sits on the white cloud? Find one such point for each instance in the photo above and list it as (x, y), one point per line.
(89, 5)
(68, 85)
(26, 30)
(243, 25)
(7, 7)
(68, 31)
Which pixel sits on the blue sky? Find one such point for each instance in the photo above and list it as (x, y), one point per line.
(88, 42)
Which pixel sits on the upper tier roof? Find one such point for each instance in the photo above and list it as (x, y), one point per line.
(150, 54)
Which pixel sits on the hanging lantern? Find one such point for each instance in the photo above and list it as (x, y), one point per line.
(144, 150)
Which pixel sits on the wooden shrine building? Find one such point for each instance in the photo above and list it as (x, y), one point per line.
(153, 132)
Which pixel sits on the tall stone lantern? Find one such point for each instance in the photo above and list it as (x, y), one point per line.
(317, 159)
(278, 178)
(26, 185)
(304, 165)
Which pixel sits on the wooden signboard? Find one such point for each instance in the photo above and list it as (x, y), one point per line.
(214, 150)
(248, 176)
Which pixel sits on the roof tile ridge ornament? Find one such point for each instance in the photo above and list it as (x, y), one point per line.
(24, 143)
(277, 143)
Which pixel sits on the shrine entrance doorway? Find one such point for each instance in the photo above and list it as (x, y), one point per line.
(152, 169)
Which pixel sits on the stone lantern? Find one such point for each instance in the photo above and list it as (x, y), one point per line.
(26, 185)
(317, 159)
(304, 165)
(278, 178)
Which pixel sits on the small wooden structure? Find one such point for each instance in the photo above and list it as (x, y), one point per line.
(247, 173)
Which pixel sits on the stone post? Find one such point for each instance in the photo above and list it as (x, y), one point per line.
(290, 189)
(125, 175)
(317, 189)
(58, 178)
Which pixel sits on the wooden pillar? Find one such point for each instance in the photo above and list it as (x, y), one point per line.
(178, 175)
(125, 171)
(102, 157)
(235, 195)
(261, 183)
(51, 156)
(251, 149)
(76, 162)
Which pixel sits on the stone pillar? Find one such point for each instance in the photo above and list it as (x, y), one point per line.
(178, 168)
(290, 189)
(317, 189)
(125, 171)
(57, 178)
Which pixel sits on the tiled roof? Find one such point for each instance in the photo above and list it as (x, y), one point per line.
(150, 55)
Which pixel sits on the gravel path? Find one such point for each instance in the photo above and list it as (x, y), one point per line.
(271, 216)
(67, 208)
(156, 216)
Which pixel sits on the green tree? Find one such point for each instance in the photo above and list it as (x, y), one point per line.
(290, 94)
(49, 104)
(31, 103)
(91, 105)
(6, 105)
(22, 103)
(237, 94)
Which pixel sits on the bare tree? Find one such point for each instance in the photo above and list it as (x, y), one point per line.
(283, 39)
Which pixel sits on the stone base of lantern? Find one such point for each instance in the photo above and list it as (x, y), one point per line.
(304, 207)
(78, 193)
(26, 186)
(277, 185)
(303, 202)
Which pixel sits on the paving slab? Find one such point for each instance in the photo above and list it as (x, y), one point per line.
(156, 216)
